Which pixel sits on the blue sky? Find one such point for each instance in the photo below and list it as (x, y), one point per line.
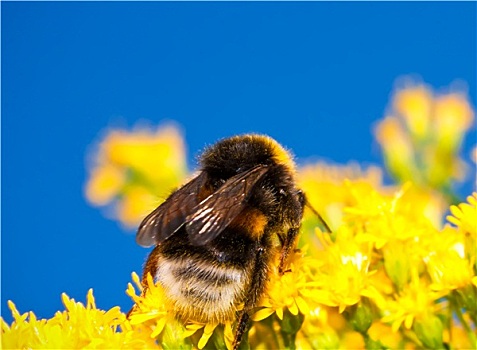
(314, 75)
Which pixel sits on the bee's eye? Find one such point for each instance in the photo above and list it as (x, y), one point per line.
(301, 197)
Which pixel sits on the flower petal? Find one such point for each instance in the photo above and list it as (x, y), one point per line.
(262, 314)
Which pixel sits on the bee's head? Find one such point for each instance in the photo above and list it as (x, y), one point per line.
(236, 154)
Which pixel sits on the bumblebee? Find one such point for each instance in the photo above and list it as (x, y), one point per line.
(216, 237)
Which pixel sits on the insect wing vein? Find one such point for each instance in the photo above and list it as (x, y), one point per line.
(218, 210)
(170, 215)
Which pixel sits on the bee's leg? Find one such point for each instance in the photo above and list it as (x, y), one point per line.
(242, 324)
(288, 245)
(255, 291)
(151, 265)
(288, 242)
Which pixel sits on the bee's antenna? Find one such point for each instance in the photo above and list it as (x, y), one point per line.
(323, 222)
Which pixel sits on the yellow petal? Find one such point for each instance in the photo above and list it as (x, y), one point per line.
(293, 308)
(408, 321)
(195, 326)
(159, 327)
(192, 328)
(455, 210)
(453, 220)
(203, 340)
(143, 317)
(302, 305)
(209, 328)
(262, 314)
(396, 324)
(90, 302)
(342, 308)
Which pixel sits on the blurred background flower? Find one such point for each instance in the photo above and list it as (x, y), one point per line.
(422, 135)
(134, 171)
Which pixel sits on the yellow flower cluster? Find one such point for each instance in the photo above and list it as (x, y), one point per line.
(388, 270)
(388, 278)
(77, 327)
(422, 135)
(135, 171)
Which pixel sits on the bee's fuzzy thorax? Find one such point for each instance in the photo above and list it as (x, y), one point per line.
(235, 154)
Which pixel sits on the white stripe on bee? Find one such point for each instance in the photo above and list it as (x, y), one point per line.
(207, 291)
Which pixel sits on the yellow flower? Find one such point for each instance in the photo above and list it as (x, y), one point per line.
(77, 327)
(150, 308)
(397, 147)
(383, 333)
(343, 277)
(207, 332)
(414, 105)
(155, 316)
(457, 337)
(415, 302)
(288, 291)
(135, 204)
(380, 218)
(321, 329)
(352, 340)
(323, 185)
(105, 183)
(447, 263)
(157, 155)
(464, 215)
(421, 136)
(135, 170)
(453, 115)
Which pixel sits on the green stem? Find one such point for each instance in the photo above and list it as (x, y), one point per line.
(458, 312)
(289, 327)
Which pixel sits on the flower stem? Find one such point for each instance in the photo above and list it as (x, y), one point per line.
(458, 312)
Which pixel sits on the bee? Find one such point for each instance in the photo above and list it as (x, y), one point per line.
(216, 236)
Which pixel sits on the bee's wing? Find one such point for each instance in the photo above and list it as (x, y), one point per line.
(170, 215)
(219, 209)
